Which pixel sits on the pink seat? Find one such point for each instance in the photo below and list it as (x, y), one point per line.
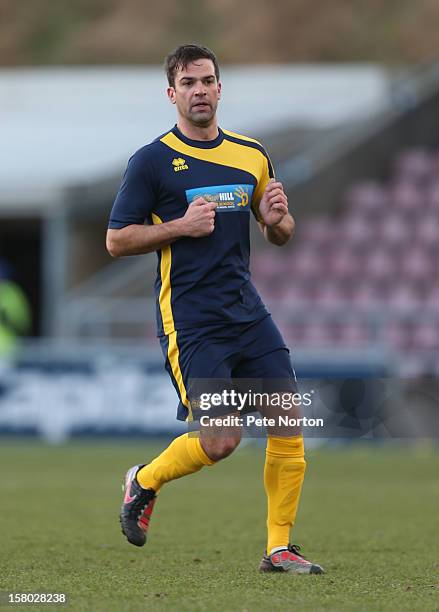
(306, 264)
(399, 335)
(356, 234)
(427, 232)
(403, 298)
(319, 334)
(434, 165)
(296, 295)
(417, 266)
(432, 194)
(415, 165)
(368, 199)
(330, 293)
(319, 231)
(265, 263)
(353, 334)
(380, 265)
(407, 199)
(343, 264)
(367, 295)
(271, 292)
(432, 297)
(396, 232)
(293, 333)
(426, 336)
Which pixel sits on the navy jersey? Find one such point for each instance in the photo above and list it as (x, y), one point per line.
(200, 281)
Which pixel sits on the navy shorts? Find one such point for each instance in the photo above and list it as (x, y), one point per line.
(236, 351)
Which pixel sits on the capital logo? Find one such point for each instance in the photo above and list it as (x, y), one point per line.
(242, 194)
(179, 164)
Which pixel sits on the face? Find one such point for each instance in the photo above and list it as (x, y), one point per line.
(196, 92)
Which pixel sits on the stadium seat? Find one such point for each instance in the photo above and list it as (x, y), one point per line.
(343, 264)
(318, 232)
(353, 334)
(427, 232)
(379, 260)
(432, 194)
(367, 200)
(381, 265)
(403, 298)
(407, 199)
(396, 232)
(426, 335)
(417, 266)
(415, 165)
(319, 334)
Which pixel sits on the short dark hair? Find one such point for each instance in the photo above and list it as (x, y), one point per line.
(184, 55)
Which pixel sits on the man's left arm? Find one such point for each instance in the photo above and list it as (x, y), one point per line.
(276, 224)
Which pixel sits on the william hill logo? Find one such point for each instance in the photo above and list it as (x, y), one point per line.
(242, 195)
(179, 164)
(227, 197)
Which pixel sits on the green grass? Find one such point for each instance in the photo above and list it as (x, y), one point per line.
(369, 516)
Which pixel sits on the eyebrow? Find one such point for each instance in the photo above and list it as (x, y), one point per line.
(192, 78)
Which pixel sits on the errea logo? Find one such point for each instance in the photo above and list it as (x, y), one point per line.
(179, 164)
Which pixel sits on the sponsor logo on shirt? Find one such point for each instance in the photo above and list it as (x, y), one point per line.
(179, 164)
(227, 197)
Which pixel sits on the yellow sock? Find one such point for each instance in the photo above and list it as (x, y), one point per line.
(283, 477)
(183, 456)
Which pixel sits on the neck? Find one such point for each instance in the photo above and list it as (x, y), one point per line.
(197, 132)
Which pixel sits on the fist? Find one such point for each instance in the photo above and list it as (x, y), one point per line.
(199, 219)
(274, 203)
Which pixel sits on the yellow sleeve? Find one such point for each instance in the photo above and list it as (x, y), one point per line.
(267, 173)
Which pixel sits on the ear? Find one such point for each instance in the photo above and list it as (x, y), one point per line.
(171, 94)
(219, 90)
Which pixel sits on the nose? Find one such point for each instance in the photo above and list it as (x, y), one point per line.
(200, 89)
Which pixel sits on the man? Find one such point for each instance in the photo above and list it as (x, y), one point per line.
(15, 312)
(194, 187)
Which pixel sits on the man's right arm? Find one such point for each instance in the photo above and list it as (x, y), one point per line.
(198, 221)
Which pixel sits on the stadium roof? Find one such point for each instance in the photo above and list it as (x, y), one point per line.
(65, 126)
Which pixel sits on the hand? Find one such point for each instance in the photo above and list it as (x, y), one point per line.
(199, 219)
(274, 204)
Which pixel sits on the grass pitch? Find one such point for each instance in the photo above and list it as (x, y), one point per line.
(368, 515)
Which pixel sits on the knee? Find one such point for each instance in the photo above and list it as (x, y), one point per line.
(220, 448)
